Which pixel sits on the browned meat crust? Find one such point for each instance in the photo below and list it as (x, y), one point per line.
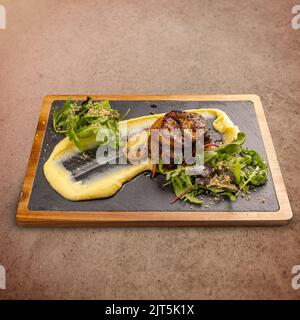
(175, 124)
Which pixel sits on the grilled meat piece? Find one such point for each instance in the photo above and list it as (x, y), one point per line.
(190, 120)
(183, 120)
(175, 124)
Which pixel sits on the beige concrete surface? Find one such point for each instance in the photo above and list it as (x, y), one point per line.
(147, 47)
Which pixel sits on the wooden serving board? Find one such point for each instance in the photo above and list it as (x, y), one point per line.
(144, 202)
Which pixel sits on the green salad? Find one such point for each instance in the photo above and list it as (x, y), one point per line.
(89, 118)
(226, 171)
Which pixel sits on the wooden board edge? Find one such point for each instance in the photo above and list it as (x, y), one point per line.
(33, 158)
(149, 219)
(283, 215)
(148, 224)
(183, 97)
(284, 204)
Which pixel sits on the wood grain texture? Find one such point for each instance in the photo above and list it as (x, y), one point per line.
(26, 217)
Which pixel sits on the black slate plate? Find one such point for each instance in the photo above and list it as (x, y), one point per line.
(144, 193)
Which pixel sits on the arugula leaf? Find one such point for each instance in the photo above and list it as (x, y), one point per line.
(192, 197)
(236, 169)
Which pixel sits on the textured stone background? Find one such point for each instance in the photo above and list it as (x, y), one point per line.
(191, 47)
